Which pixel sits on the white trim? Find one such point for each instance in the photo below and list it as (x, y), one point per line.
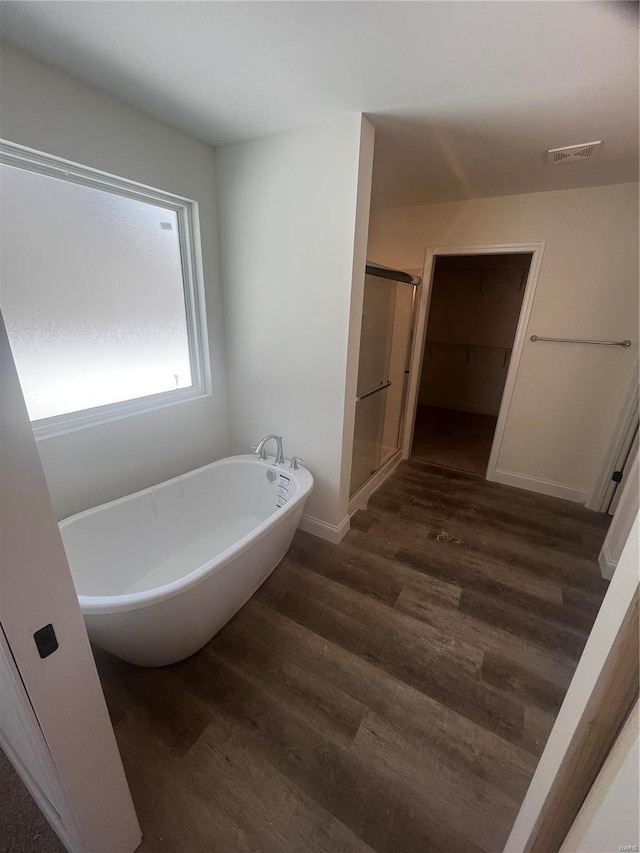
(606, 562)
(536, 250)
(186, 210)
(609, 621)
(623, 517)
(323, 530)
(603, 487)
(62, 424)
(23, 157)
(609, 813)
(358, 274)
(360, 499)
(417, 353)
(78, 734)
(63, 824)
(543, 487)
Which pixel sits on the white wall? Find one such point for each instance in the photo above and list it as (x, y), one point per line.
(46, 109)
(291, 207)
(608, 819)
(568, 397)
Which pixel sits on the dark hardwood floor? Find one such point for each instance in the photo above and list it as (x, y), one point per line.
(23, 827)
(460, 440)
(392, 693)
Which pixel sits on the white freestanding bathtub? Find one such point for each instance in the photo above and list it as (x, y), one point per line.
(159, 572)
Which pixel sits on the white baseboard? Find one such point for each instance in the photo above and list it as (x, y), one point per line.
(361, 497)
(543, 487)
(331, 532)
(607, 563)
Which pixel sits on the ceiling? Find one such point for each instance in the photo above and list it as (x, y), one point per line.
(466, 96)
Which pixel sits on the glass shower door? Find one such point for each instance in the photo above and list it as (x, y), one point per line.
(387, 321)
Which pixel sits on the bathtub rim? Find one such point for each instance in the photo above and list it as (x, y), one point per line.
(121, 602)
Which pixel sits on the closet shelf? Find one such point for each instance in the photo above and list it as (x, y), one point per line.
(467, 346)
(516, 279)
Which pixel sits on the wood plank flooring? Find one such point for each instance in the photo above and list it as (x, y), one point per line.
(23, 827)
(457, 439)
(392, 693)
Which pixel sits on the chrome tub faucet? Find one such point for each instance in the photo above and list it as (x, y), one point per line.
(259, 450)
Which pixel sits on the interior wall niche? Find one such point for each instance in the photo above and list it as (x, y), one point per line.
(474, 310)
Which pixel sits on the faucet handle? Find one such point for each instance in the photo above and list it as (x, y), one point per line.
(294, 462)
(260, 451)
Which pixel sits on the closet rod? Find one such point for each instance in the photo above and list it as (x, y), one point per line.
(626, 343)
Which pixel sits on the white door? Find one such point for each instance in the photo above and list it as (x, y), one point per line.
(627, 454)
(54, 723)
(22, 741)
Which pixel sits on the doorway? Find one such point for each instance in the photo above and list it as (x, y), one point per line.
(473, 315)
(470, 332)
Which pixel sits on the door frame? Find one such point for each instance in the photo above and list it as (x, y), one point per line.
(602, 490)
(419, 339)
(602, 690)
(57, 812)
(56, 693)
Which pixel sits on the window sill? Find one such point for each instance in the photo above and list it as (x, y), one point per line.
(62, 424)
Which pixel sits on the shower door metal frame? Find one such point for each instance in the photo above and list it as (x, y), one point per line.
(536, 250)
(358, 498)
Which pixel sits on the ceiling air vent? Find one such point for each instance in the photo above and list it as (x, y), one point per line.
(586, 151)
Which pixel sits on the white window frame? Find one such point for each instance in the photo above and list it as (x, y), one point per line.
(186, 211)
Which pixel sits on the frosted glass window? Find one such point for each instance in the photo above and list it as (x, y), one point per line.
(93, 294)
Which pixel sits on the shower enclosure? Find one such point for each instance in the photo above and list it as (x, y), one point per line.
(383, 371)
